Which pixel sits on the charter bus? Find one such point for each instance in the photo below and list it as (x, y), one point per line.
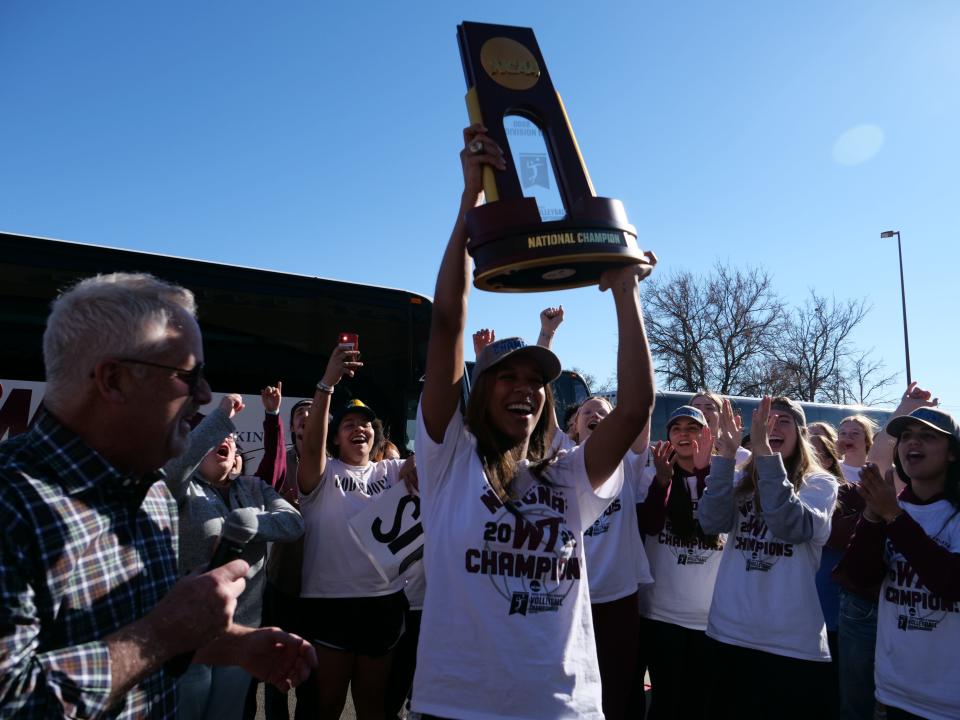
(667, 401)
(259, 326)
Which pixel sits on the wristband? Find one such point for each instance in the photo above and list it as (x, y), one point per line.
(324, 388)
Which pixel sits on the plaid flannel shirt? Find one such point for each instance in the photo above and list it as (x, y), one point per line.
(84, 550)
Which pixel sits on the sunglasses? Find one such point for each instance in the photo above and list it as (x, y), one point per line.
(191, 377)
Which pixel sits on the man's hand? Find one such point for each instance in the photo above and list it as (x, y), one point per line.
(198, 609)
(231, 404)
(280, 658)
(271, 396)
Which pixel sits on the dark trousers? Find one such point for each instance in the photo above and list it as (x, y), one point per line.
(677, 663)
(282, 611)
(898, 714)
(747, 683)
(616, 629)
(831, 691)
(403, 666)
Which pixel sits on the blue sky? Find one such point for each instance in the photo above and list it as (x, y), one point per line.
(322, 138)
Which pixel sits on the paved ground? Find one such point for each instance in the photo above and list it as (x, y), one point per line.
(348, 712)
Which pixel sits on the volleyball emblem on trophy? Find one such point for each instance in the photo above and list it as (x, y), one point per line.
(543, 226)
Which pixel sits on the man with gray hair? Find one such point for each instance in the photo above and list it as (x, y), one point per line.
(93, 622)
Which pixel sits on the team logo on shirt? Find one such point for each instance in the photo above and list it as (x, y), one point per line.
(753, 541)
(919, 609)
(602, 524)
(687, 552)
(530, 560)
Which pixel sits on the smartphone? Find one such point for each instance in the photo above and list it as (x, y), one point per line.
(351, 341)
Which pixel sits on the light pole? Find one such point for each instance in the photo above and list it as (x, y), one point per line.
(903, 301)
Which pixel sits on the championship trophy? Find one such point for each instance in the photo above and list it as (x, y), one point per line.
(531, 236)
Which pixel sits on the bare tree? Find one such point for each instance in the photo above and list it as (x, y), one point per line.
(595, 385)
(712, 332)
(731, 333)
(816, 355)
(865, 381)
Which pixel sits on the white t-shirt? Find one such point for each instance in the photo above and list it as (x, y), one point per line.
(334, 563)
(415, 585)
(613, 546)
(851, 473)
(743, 456)
(684, 571)
(765, 596)
(918, 633)
(507, 631)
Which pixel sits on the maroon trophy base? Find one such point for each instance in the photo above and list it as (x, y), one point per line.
(515, 251)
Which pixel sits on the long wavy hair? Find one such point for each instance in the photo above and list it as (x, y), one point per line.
(829, 440)
(495, 449)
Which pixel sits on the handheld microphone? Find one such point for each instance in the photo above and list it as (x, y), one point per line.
(239, 528)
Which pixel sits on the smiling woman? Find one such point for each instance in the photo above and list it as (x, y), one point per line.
(352, 615)
(765, 624)
(507, 604)
(210, 492)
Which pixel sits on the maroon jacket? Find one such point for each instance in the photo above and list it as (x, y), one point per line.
(863, 566)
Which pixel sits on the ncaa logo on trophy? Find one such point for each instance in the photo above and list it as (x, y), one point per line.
(543, 226)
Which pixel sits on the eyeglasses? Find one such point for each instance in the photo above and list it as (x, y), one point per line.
(191, 377)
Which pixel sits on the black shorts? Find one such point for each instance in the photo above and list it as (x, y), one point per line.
(369, 626)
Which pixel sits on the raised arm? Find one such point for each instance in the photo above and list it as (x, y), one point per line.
(717, 511)
(273, 465)
(793, 516)
(652, 512)
(441, 390)
(313, 460)
(550, 319)
(881, 452)
(937, 568)
(203, 438)
(607, 445)
(278, 520)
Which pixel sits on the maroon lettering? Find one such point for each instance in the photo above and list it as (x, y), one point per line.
(491, 500)
(553, 525)
(528, 534)
(471, 560)
(906, 575)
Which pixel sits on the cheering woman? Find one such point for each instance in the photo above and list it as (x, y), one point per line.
(912, 545)
(770, 641)
(506, 628)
